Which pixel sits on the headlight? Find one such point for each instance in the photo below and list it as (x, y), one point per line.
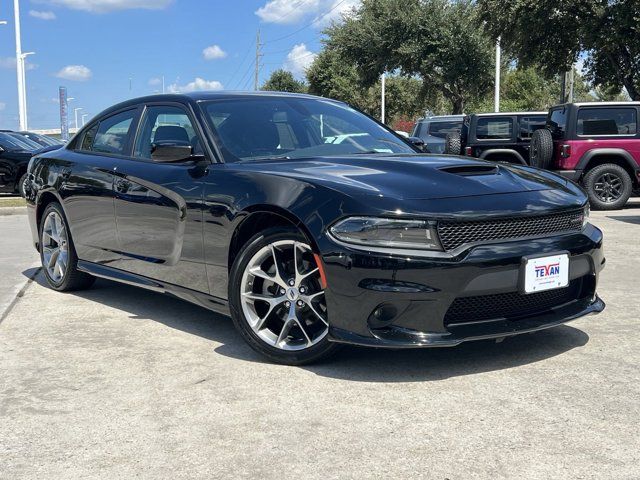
(585, 215)
(387, 232)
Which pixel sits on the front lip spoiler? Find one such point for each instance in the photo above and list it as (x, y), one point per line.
(405, 338)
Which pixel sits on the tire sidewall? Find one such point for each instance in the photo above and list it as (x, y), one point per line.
(589, 186)
(21, 183)
(541, 149)
(299, 357)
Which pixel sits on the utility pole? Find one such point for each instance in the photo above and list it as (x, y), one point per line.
(22, 111)
(383, 85)
(496, 97)
(571, 82)
(258, 57)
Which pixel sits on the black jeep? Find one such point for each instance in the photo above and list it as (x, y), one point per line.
(501, 137)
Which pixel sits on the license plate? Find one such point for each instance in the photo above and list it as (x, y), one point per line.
(546, 273)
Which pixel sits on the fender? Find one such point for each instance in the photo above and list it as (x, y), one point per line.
(618, 152)
(503, 151)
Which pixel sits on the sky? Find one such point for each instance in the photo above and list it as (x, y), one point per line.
(105, 51)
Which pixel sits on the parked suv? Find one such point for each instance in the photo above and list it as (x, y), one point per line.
(496, 136)
(434, 130)
(594, 144)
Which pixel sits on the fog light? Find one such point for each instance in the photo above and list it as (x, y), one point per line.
(383, 316)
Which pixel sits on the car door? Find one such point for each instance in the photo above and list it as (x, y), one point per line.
(86, 184)
(158, 205)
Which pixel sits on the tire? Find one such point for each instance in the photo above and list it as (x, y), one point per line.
(541, 149)
(263, 323)
(57, 238)
(20, 184)
(608, 186)
(453, 144)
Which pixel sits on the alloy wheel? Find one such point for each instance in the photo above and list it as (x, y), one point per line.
(282, 296)
(608, 187)
(55, 247)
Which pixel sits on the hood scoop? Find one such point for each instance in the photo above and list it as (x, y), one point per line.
(471, 170)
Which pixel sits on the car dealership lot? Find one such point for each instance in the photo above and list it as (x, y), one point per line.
(118, 382)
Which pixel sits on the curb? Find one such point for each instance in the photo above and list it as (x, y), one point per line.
(4, 211)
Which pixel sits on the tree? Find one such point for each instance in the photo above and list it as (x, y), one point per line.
(332, 76)
(554, 34)
(283, 81)
(439, 41)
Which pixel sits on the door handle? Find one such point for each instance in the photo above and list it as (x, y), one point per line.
(122, 186)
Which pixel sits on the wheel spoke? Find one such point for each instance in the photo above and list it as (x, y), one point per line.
(320, 317)
(304, 331)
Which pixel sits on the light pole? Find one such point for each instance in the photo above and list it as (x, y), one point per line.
(23, 57)
(382, 99)
(84, 115)
(496, 100)
(21, 106)
(75, 112)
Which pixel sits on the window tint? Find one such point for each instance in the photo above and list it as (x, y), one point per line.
(528, 125)
(607, 121)
(254, 128)
(89, 137)
(557, 123)
(489, 128)
(167, 125)
(113, 133)
(440, 129)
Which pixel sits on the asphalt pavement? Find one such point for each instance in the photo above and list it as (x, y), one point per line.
(117, 382)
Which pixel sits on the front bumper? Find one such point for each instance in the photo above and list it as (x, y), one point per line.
(413, 295)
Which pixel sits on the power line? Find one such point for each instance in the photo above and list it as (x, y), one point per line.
(246, 74)
(241, 63)
(306, 26)
(298, 5)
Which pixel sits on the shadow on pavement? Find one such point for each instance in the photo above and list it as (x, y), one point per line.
(350, 363)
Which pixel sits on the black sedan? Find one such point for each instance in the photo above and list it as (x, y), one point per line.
(14, 158)
(311, 225)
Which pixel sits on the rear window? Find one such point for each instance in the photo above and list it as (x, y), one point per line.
(607, 121)
(557, 123)
(528, 125)
(489, 128)
(441, 129)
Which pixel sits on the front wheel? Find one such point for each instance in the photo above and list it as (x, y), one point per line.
(609, 186)
(277, 301)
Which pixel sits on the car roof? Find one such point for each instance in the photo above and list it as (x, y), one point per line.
(497, 114)
(598, 104)
(441, 118)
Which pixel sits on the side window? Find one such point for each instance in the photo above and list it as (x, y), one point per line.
(528, 125)
(89, 136)
(113, 133)
(494, 128)
(168, 125)
(607, 121)
(441, 129)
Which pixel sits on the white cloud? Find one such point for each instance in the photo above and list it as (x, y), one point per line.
(214, 52)
(10, 63)
(42, 15)
(320, 12)
(155, 81)
(286, 11)
(105, 6)
(2, 106)
(77, 73)
(299, 59)
(196, 85)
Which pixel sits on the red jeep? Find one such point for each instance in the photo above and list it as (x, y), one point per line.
(594, 144)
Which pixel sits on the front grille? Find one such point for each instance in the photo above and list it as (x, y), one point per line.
(454, 234)
(510, 305)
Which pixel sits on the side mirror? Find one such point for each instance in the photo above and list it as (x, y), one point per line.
(167, 153)
(418, 143)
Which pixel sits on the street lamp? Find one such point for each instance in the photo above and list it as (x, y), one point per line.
(84, 115)
(23, 69)
(75, 111)
(22, 111)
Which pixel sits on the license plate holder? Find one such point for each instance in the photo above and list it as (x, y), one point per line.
(542, 273)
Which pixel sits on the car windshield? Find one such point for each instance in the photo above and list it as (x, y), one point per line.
(10, 143)
(292, 127)
(32, 144)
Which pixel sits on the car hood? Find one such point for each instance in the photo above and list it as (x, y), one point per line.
(417, 177)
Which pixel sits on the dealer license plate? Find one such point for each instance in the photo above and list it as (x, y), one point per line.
(546, 273)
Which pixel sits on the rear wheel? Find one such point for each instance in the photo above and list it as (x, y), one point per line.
(277, 298)
(453, 143)
(609, 186)
(58, 255)
(20, 185)
(541, 149)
